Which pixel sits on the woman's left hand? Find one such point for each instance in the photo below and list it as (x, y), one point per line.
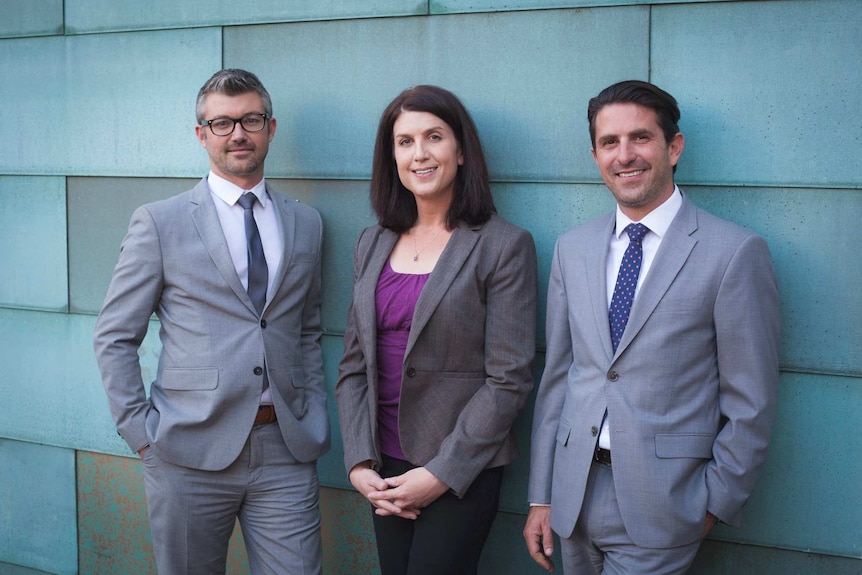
(415, 489)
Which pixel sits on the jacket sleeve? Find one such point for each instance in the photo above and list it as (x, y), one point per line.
(747, 319)
(353, 394)
(509, 349)
(132, 297)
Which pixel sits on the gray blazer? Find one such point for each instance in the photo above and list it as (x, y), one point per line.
(691, 391)
(174, 261)
(466, 371)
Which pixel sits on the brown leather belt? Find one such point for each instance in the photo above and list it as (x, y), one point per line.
(265, 414)
(602, 456)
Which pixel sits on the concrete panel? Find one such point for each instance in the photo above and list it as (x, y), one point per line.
(765, 88)
(345, 209)
(528, 96)
(87, 16)
(460, 6)
(30, 18)
(105, 104)
(808, 497)
(51, 357)
(33, 243)
(330, 468)
(820, 304)
(37, 487)
(721, 558)
(99, 214)
(348, 534)
(112, 518)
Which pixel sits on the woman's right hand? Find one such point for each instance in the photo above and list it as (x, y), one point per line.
(367, 481)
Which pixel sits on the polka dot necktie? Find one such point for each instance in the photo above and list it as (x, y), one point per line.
(257, 270)
(627, 281)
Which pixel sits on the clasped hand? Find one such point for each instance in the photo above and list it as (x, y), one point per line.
(402, 495)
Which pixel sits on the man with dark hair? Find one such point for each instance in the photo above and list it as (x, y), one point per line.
(655, 408)
(236, 417)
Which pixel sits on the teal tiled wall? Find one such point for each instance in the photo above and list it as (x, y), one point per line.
(98, 119)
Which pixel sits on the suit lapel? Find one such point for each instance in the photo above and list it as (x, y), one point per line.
(451, 260)
(597, 278)
(365, 296)
(675, 248)
(205, 218)
(286, 218)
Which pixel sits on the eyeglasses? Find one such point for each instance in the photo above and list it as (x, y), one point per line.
(226, 126)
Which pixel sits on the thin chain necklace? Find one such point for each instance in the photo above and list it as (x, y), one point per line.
(416, 252)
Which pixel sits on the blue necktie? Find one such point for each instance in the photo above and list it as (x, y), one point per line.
(627, 281)
(258, 275)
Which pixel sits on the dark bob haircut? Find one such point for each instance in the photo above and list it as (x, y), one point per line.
(642, 94)
(394, 204)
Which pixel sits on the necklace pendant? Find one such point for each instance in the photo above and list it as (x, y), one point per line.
(416, 258)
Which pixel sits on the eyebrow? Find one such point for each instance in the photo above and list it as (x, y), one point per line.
(429, 130)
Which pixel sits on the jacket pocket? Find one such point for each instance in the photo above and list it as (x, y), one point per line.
(695, 445)
(185, 379)
(296, 401)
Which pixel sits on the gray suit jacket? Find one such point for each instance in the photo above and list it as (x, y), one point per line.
(174, 261)
(691, 391)
(466, 371)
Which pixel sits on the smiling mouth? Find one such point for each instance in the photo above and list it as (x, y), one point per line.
(631, 174)
(424, 172)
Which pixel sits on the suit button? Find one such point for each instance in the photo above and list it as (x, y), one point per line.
(411, 372)
(613, 376)
(258, 371)
(263, 323)
(594, 430)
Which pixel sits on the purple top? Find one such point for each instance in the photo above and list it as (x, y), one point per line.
(396, 299)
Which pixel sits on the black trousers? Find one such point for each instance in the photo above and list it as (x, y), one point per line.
(449, 534)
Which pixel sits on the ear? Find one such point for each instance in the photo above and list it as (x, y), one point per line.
(200, 132)
(677, 143)
(272, 124)
(595, 158)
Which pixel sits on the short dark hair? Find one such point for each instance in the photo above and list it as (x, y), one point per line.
(393, 204)
(643, 94)
(232, 82)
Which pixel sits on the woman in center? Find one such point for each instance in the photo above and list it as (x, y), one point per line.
(439, 342)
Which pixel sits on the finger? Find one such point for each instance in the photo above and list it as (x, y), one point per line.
(543, 561)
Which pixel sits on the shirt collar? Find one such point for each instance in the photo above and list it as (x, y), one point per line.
(658, 220)
(229, 192)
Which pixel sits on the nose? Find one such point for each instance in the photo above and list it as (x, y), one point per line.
(419, 151)
(238, 133)
(626, 152)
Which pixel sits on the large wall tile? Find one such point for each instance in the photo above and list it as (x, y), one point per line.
(30, 18)
(808, 497)
(820, 302)
(526, 78)
(114, 532)
(37, 491)
(769, 91)
(723, 558)
(87, 16)
(105, 104)
(462, 6)
(33, 243)
(99, 214)
(49, 369)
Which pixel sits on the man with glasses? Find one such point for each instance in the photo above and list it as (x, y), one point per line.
(236, 417)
